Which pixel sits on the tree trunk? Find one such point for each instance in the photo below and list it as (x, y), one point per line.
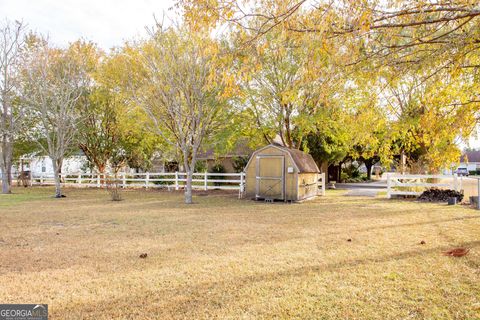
(340, 172)
(369, 164)
(6, 178)
(188, 187)
(57, 165)
(6, 168)
(103, 176)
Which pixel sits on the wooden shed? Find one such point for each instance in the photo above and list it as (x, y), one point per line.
(276, 172)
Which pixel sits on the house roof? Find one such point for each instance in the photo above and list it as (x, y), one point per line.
(241, 149)
(470, 156)
(303, 161)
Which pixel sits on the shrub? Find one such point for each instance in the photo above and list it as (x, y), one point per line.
(352, 174)
(113, 187)
(201, 166)
(161, 183)
(217, 168)
(239, 163)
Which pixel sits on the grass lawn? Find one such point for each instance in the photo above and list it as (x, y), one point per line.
(227, 258)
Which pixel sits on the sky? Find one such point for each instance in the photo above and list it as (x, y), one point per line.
(108, 23)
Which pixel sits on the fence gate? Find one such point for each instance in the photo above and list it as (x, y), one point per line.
(407, 184)
(270, 177)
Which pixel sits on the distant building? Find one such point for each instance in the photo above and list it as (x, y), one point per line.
(470, 160)
(226, 160)
(42, 165)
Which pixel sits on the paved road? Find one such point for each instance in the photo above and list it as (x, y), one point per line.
(363, 189)
(381, 184)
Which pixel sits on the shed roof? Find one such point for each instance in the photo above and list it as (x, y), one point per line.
(302, 160)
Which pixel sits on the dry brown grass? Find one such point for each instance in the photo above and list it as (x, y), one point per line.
(227, 258)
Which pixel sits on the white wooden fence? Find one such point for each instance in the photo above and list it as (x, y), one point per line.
(169, 180)
(322, 183)
(411, 181)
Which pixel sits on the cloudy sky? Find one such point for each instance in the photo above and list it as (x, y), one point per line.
(106, 22)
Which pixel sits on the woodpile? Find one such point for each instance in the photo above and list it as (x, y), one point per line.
(440, 195)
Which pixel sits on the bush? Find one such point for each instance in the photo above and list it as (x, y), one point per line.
(161, 183)
(239, 163)
(218, 168)
(351, 174)
(113, 187)
(362, 178)
(201, 166)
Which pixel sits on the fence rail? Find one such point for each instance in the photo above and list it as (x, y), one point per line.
(169, 180)
(419, 181)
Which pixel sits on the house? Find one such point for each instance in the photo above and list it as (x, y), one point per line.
(42, 165)
(470, 160)
(229, 161)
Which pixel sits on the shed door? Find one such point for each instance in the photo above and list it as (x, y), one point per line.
(270, 177)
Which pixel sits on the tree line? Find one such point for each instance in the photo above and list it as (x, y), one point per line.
(364, 80)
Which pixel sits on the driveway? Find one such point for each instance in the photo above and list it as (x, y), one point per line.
(363, 189)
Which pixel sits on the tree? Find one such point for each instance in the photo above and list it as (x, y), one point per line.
(55, 80)
(99, 134)
(392, 28)
(429, 116)
(435, 42)
(291, 79)
(11, 114)
(182, 89)
(120, 116)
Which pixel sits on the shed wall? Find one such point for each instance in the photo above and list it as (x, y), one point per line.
(307, 185)
(290, 178)
(297, 185)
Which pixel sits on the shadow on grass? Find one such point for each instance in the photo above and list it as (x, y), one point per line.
(402, 225)
(196, 299)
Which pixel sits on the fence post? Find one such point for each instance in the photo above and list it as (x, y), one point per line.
(147, 179)
(389, 186)
(79, 179)
(240, 188)
(242, 181)
(98, 180)
(478, 193)
(455, 182)
(176, 180)
(41, 178)
(323, 183)
(205, 181)
(124, 180)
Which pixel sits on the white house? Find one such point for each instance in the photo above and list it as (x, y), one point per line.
(42, 165)
(470, 160)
